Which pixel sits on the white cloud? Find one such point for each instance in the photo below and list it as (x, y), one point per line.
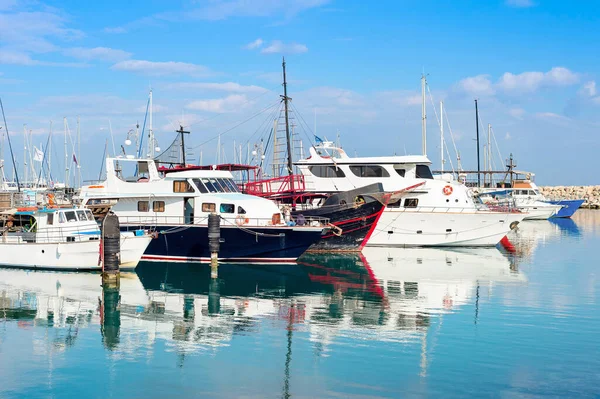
(156, 108)
(517, 113)
(230, 103)
(520, 3)
(255, 44)
(116, 29)
(19, 58)
(532, 81)
(162, 68)
(589, 89)
(551, 116)
(479, 85)
(35, 31)
(97, 53)
(279, 47)
(231, 87)
(507, 136)
(223, 9)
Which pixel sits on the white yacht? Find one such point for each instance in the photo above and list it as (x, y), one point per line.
(178, 204)
(423, 211)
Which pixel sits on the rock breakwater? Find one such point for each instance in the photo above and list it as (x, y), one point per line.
(591, 194)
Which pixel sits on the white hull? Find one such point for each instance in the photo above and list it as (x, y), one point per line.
(539, 212)
(76, 255)
(419, 228)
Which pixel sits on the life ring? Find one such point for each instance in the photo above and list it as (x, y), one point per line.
(51, 199)
(240, 220)
(447, 190)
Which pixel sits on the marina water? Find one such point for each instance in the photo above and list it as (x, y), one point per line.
(388, 323)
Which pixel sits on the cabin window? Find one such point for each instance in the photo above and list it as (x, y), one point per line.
(395, 204)
(50, 220)
(143, 206)
(369, 171)
(158, 206)
(411, 202)
(326, 171)
(224, 185)
(423, 172)
(401, 172)
(71, 217)
(201, 187)
(227, 208)
(182, 186)
(241, 210)
(90, 216)
(208, 207)
(81, 215)
(209, 186)
(61, 217)
(531, 192)
(232, 186)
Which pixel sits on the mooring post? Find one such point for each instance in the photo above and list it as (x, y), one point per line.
(214, 237)
(110, 251)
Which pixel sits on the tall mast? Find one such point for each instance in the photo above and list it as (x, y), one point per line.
(423, 114)
(150, 131)
(489, 147)
(442, 134)
(66, 155)
(287, 124)
(78, 153)
(12, 155)
(25, 168)
(477, 129)
(183, 133)
(49, 151)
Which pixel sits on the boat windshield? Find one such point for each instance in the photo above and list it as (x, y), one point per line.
(423, 172)
(220, 185)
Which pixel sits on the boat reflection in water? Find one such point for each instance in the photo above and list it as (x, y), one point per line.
(531, 234)
(385, 294)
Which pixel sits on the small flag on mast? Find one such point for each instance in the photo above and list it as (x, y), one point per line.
(75, 160)
(38, 155)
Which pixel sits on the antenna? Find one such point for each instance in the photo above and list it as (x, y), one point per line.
(423, 114)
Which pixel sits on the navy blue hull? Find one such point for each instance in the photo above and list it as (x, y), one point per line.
(189, 243)
(569, 207)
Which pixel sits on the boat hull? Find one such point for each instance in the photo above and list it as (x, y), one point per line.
(264, 244)
(410, 228)
(569, 207)
(76, 255)
(355, 224)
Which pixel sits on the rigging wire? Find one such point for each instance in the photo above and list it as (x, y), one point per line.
(440, 125)
(237, 125)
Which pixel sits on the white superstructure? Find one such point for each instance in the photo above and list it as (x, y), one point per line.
(426, 212)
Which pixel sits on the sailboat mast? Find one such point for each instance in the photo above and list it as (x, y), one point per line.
(25, 168)
(442, 135)
(477, 130)
(423, 114)
(12, 155)
(49, 151)
(489, 147)
(150, 131)
(78, 153)
(287, 125)
(66, 156)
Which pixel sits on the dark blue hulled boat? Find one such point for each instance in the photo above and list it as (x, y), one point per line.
(569, 207)
(177, 207)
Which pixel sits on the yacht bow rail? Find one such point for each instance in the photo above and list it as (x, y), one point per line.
(49, 235)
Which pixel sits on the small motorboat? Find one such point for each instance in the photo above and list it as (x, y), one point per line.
(61, 239)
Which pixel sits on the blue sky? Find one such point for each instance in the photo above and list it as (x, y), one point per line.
(354, 65)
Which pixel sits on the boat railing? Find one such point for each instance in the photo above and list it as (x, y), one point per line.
(133, 222)
(448, 209)
(275, 186)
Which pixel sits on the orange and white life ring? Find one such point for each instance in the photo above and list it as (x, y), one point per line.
(447, 190)
(241, 220)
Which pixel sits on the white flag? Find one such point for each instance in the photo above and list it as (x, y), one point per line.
(38, 155)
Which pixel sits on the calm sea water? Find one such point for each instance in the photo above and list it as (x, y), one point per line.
(389, 323)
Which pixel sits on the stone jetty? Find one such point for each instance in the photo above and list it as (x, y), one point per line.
(591, 194)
